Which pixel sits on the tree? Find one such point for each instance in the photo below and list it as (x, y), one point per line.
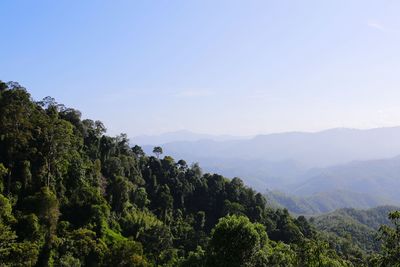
(55, 141)
(235, 241)
(126, 253)
(390, 237)
(78, 197)
(182, 164)
(138, 151)
(195, 258)
(16, 109)
(158, 151)
(81, 246)
(3, 172)
(47, 208)
(13, 253)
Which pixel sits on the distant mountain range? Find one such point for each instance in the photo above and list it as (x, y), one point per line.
(323, 202)
(320, 149)
(179, 136)
(359, 184)
(326, 170)
(373, 177)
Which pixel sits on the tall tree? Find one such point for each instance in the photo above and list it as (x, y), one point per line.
(235, 241)
(157, 151)
(390, 237)
(16, 109)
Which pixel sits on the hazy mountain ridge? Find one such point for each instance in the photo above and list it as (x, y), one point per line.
(316, 166)
(324, 202)
(179, 136)
(374, 177)
(320, 149)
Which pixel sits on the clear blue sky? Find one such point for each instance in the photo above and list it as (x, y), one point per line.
(219, 67)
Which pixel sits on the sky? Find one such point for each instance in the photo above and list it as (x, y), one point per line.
(218, 67)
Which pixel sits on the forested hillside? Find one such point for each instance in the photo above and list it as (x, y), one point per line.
(359, 226)
(73, 196)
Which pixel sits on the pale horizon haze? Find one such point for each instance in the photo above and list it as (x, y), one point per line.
(218, 67)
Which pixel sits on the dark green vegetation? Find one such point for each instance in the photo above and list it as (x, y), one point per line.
(73, 196)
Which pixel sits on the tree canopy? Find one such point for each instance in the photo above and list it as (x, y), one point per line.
(70, 195)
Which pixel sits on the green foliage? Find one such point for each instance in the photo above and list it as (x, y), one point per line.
(72, 196)
(12, 252)
(157, 151)
(281, 255)
(82, 246)
(3, 172)
(317, 254)
(136, 222)
(126, 253)
(195, 258)
(354, 233)
(235, 241)
(391, 243)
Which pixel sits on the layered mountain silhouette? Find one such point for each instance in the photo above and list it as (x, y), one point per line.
(364, 162)
(181, 135)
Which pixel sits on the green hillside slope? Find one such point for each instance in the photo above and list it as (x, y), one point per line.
(359, 226)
